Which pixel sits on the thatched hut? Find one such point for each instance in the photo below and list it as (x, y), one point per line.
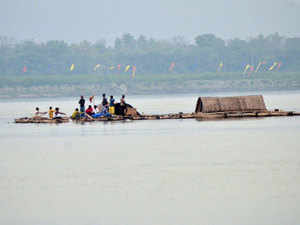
(249, 103)
(125, 110)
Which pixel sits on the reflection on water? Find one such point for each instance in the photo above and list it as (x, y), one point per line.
(150, 172)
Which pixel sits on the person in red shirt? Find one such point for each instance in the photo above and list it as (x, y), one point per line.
(89, 110)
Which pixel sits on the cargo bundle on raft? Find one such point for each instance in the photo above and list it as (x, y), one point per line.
(206, 108)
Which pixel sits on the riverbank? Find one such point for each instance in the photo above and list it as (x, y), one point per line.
(74, 85)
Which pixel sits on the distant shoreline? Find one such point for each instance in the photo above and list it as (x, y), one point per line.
(207, 91)
(36, 86)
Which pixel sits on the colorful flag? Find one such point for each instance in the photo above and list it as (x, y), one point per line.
(251, 70)
(72, 67)
(273, 66)
(119, 67)
(220, 66)
(133, 71)
(258, 66)
(24, 69)
(91, 98)
(246, 68)
(112, 67)
(97, 67)
(279, 65)
(172, 66)
(127, 68)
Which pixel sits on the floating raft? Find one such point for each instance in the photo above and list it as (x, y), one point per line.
(207, 108)
(140, 117)
(199, 116)
(232, 115)
(41, 120)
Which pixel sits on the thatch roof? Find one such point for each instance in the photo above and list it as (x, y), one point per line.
(231, 104)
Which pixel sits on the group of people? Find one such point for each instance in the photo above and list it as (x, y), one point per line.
(106, 108)
(52, 113)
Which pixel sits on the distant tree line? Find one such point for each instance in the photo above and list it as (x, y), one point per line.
(150, 56)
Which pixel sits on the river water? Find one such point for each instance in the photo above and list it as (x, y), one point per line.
(170, 172)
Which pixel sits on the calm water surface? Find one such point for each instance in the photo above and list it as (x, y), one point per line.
(169, 172)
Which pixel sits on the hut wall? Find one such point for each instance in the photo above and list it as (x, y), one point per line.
(228, 104)
(255, 102)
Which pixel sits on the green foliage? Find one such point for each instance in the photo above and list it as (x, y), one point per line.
(149, 55)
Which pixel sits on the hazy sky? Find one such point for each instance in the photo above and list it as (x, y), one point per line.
(77, 20)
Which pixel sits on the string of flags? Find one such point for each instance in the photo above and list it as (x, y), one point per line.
(249, 68)
(112, 67)
(261, 66)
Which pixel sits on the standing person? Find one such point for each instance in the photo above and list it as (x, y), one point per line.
(122, 100)
(81, 104)
(104, 103)
(104, 100)
(112, 105)
(51, 112)
(122, 105)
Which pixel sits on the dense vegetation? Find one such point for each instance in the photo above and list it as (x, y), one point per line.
(150, 56)
(29, 68)
(96, 84)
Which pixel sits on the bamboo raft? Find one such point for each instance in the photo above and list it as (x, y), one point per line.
(41, 120)
(207, 108)
(198, 116)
